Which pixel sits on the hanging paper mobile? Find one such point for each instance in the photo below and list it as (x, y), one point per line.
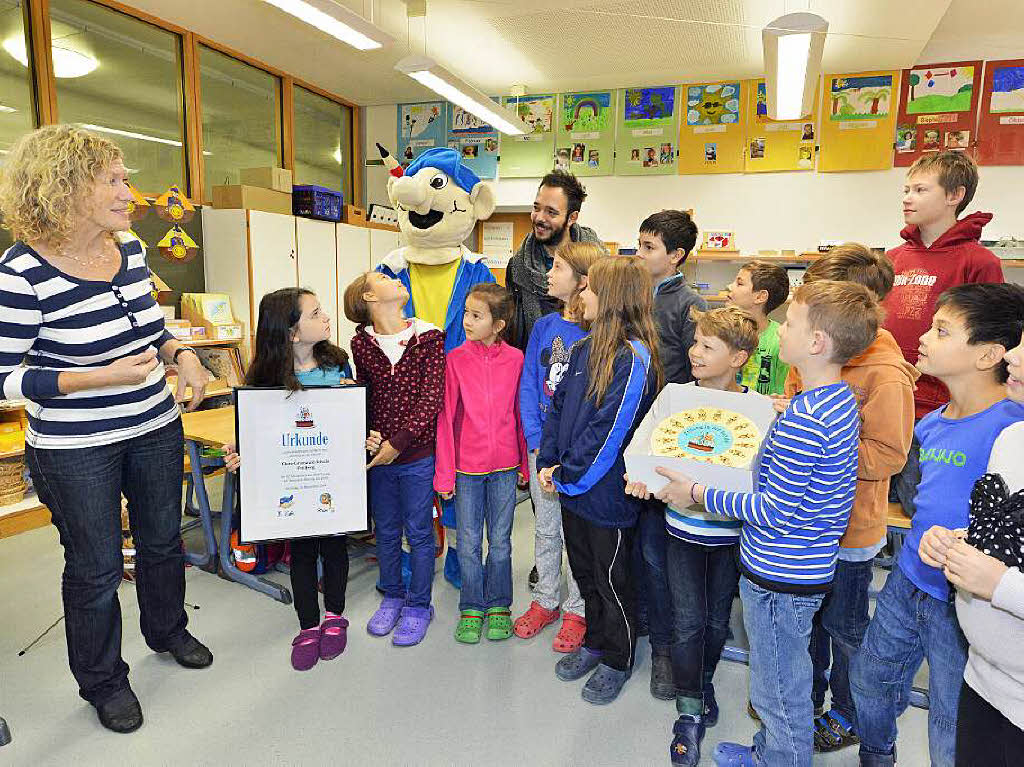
(174, 206)
(138, 207)
(177, 247)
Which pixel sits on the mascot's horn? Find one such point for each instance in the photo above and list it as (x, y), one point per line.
(390, 162)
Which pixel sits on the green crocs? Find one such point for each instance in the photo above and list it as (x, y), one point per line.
(471, 623)
(499, 623)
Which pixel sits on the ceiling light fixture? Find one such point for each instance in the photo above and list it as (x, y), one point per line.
(7, 109)
(427, 72)
(337, 21)
(131, 134)
(793, 46)
(67, 63)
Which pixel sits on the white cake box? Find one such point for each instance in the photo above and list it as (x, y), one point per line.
(641, 461)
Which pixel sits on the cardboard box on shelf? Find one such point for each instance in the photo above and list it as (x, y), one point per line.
(210, 316)
(180, 329)
(641, 461)
(252, 198)
(353, 215)
(278, 179)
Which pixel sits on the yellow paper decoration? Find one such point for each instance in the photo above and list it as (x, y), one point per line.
(774, 145)
(174, 206)
(857, 121)
(138, 207)
(177, 246)
(711, 130)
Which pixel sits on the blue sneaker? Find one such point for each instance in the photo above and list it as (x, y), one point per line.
(452, 571)
(577, 665)
(688, 732)
(734, 755)
(710, 718)
(604, 685)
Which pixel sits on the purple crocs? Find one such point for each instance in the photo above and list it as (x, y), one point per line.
(306, 649)
(383, 621)
(413, 626)
(333, 637)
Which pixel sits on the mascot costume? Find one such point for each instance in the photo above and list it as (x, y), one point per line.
(438, 201)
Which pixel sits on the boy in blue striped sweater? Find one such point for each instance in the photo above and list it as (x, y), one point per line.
(792, 522)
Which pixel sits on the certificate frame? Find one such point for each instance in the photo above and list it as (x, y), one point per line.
(304, 461)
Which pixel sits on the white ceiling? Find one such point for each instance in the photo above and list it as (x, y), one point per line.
(584, 44)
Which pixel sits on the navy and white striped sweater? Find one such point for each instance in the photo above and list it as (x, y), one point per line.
(805, 488)
(53, 322)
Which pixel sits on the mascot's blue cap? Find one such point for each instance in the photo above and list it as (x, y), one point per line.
(449, 161)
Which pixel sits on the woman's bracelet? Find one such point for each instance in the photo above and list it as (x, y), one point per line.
(693, 494)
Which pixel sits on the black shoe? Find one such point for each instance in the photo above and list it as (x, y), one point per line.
(663, 685)
(832, 732)
(710, 707)
(190, 652)
(534, 577)
(687, 733)
(121, 713)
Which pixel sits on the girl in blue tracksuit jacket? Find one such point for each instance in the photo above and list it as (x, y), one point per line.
(612, 378)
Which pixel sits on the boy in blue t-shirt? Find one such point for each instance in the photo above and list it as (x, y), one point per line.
(915, 619)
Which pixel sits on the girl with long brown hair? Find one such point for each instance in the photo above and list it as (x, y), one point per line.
(612, 377)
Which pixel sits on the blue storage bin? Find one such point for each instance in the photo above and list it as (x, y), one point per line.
(317, 202)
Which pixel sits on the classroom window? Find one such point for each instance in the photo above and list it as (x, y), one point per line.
(17, 115)
(121, 77)
(241, 129)
(323, 142)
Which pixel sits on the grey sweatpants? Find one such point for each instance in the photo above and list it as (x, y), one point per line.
(547, 550)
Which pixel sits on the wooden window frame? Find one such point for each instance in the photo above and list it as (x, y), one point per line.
(45, 92)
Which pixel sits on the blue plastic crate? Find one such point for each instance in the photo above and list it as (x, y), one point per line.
(317, 202)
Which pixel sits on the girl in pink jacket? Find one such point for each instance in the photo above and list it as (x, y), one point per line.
(480, 454)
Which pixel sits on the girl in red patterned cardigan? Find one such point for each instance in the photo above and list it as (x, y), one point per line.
(401, 361)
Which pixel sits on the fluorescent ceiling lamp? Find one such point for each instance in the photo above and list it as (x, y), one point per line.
(337, 21)
(793, 45)
(5, 108)
(131, 134)
(427, 72)
(66, 62)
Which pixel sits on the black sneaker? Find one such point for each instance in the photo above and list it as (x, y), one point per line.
(121, 713)
(832, 732)
(687, 733)
(663, 686)
(710, 707)
(534, 577)
(190, 652)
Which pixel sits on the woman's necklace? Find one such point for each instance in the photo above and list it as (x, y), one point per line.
(100, 257)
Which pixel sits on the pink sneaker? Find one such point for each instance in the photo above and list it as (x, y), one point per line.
(306, 649)
(333, 637)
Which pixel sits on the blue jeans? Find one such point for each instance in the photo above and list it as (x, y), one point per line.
(402, 499)
(652, 577)
(491, 499)
(908, 627)
(779, 628)
(838, 632)
(702, 581)
(82, 489)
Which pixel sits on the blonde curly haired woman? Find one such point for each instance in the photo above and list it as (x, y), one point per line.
(82, 340)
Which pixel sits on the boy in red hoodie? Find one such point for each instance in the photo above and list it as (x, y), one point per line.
(940, 251)
(883, 382)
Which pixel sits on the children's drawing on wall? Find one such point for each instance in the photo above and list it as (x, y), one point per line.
(649, 106)
(417, 118)
(711, 153)
(860, 98)
(757, 149)
(714, 104)
(1007, 90)
(940, 89)
(587, 112)
(930, 141)
(906, 138)
(958, 139)
(467, 122)
(536, 111)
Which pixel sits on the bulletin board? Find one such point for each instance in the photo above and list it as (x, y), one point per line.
(420, 127)
(585, 134)
(711, 131)
(774, 145)
(647, 129)
(938, 109)
(857, 121)
(1001, 117)
(531, 155)
(476, 141)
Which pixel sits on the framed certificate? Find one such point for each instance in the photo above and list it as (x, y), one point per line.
(304, 462)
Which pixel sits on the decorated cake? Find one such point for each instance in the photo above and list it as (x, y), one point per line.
(709, 434)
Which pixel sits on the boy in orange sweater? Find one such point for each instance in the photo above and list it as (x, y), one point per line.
(883, 382)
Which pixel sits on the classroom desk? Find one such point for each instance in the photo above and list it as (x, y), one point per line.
(214, 428)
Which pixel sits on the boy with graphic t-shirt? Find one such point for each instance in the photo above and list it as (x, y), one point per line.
(940, 252)
(915, 618)
(761, 288)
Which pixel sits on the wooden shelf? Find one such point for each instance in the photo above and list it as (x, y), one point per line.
(27, 514)
(16, 453)
(212, 342)
(732, 255)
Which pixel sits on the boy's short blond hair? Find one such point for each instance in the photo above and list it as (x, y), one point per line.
(853, 262)
(844, 311)
(734, 327)
(954, 169)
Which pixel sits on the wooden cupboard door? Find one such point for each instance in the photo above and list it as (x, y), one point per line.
(272, 255)
(353, 249)
(317, 246)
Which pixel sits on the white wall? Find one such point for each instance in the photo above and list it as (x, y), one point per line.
(766, 210)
